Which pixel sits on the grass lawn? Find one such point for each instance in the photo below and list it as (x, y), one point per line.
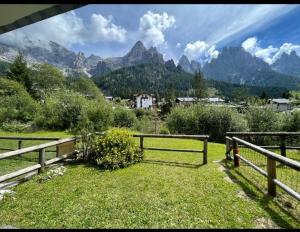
(166, 190)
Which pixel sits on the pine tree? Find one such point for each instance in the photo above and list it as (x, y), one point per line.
(19, 72)
(263, 95)
(200, 87)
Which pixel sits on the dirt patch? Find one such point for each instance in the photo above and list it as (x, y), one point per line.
(243, 195)
(230, 180)
(217, 161)
(222, 169)
(265, 223)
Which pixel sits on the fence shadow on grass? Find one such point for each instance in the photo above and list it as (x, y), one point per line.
(172, 163)
(264, 201)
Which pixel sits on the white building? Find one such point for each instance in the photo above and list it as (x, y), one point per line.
(280, 104)
(186, 100)
(215, 100)
(109, 98)
(144, 101)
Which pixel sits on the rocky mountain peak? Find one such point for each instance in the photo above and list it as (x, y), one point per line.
(185, 64)
(288, 64)
(136, 51)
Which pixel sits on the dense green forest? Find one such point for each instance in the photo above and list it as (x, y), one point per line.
(159, 80)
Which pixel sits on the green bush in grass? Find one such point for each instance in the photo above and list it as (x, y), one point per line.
(124, 117)
(200, 119)
(15, 103)
(116, 149)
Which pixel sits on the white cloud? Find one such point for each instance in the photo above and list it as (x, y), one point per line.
(66, 29)
(269, 54)
(152, 25)
(201, 51)
(104, 29)
(178, 45)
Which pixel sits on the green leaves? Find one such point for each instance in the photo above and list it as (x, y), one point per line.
(116, 149)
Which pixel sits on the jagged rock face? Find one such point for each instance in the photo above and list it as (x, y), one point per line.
(288, 64)
(137, 55)
(80, 60)
(92, 61)
(195, 66)
(185, 64)
(102, 68)
(170, 65)
(235, 65)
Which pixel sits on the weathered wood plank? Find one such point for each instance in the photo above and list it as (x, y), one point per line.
(28, 138)
(170, 149)
(19, 172)
(287, 161)
(34, 148)
(56, 159)
(172, 136)
(263, 133)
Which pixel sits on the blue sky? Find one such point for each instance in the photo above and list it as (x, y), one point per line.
(199, 31)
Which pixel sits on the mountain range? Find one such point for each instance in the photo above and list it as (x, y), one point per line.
(233, 64)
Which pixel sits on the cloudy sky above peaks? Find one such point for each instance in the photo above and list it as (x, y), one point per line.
(198, 31)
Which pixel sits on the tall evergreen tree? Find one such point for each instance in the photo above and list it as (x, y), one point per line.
(19, 72)
(200, 87)
(263, 95)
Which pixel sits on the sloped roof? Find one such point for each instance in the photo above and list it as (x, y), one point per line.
(186, 99)
(281, 100)
(14, 16)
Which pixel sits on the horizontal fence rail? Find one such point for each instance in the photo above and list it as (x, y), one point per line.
(282, 135)
(64, 148)
(20, 140)
(272, 170)
(203, 138)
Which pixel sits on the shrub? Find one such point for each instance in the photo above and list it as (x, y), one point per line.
(263, 119)
(139, 113)
(124, 118)
(116, 149)
(164, 130)
(201, 119)
(292, 122)
(15, 126)
(15, 103)
(64, 110)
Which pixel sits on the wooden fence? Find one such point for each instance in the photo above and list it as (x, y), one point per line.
(282, 135)
(20, 140)
(64, 148)
(203, 138)
(236, 144)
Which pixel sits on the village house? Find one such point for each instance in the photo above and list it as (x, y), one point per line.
(186, 100)
(215, 100)
(145, 101)
(280, 104)
(109, 98)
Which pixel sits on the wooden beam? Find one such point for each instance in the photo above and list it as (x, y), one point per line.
(170, 149)
(34, 148)
(287, 161)
(19, 172)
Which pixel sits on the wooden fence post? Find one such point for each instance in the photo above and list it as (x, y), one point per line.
(57, 150)
(42, 159)
(142, 143)
(235, 152)
(227, 152)
(19, 144)
(205, 151)
(271, 169)
(283, 145)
